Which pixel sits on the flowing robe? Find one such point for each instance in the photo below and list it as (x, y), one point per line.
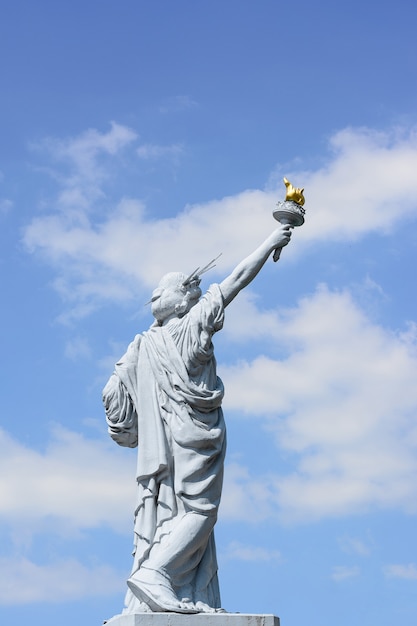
(165, 393)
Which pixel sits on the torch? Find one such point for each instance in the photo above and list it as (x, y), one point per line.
(290, 211)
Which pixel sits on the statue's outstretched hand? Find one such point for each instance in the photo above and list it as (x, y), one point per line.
(281, 236)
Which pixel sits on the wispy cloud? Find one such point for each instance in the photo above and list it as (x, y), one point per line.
(241, 552)
(246, 496)
(176, 104)
(153, 151)
(83, 151)
(82, 482)
(24, 581)
(77, 348)
(343, 572)
(5, 206)
(407, 572)
(353, 545)
(79, 165)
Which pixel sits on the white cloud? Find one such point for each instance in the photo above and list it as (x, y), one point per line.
(78, 482)
(368, 185)
(79, 167)
(245, 497)
(5, 206)
(125, 251)
(26, 582)
(407, 572)
(77, 348)
(241, 552)
(246, 321)
(342, 407)
(355, 546)
(343, 572)
(154, 151)
(93, 261)
(83, 151)
(177, 104)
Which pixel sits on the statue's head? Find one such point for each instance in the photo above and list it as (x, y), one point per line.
(175, 295)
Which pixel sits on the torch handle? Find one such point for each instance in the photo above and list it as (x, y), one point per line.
(277, 254)
(277, 251)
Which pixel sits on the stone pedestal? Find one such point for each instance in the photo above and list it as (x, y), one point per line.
(199, 619)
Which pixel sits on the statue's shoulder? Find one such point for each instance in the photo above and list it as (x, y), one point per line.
(134, 345)
(131, 353)
(214, 297)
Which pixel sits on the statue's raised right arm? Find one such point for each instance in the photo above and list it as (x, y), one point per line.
(247, 269)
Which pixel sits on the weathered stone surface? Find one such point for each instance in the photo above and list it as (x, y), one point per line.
(200, 619)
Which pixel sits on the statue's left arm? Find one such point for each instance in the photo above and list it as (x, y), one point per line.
(245, 272)
(121, 415)
(119, 396)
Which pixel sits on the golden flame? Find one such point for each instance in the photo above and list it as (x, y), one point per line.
(294, 193)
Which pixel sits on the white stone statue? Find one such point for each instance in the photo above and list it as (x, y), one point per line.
(165, 395)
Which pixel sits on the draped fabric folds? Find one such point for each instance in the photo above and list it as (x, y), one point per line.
(165, 397)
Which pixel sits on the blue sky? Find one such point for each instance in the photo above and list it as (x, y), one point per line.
(143, 137)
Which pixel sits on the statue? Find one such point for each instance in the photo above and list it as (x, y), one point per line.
(165, 395)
